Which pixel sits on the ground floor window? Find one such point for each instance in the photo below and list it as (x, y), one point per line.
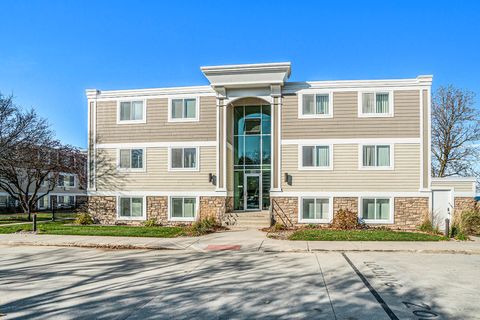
(130, 207)
(183, 208)
(376, 209)
(43, 202)
(65, 201)
(4, 201)
(315, 209)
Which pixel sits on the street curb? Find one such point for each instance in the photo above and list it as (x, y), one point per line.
(266, 250)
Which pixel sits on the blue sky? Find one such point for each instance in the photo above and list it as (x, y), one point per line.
(51, 51)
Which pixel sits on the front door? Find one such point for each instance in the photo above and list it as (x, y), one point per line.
(253, 192)
(442, 207)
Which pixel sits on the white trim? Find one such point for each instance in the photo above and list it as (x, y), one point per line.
(179, 219)
(69, 175)
(353, 141)
(300, 210)
(197, 158)
(144, 160)
(217, 143)
(421, 140)
(166, 193)
(315, 168)
(183, 98)
(144, 111)
(470, 179)
(350, 194)
(374, 221)
(376, 168)
(166, 144)
(144, 208)
(151, 93)
(314, 93)
(391, 109)
(224, 142)
(429, 101)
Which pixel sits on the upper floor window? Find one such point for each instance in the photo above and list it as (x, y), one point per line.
(131, 111)
(377, 156)
(375, 104)
(316, 157)
(318, 105)
(66, 180)
(183, 109)
(184, 158)
(131, 159)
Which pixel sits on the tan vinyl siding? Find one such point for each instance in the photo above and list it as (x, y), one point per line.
(426, 171)
(346, 123)
(347, 177)
(157, 177)
(458, 185)
(157, 128)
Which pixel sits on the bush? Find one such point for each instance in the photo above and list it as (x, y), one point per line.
(204, 226)
(84, 219)
(469, 222)
(279, 227)
(152, 222)
(427, 225)
(345, 220)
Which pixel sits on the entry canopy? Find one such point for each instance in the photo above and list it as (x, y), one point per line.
(247, 75)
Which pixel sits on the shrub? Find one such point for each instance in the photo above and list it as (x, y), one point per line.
(83, 219)
(345, 219)
(152, 222)
(427, 225)
(469, 222)
(279, 227)
(204, 226)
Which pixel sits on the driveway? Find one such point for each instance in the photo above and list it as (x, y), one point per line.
(76, 283)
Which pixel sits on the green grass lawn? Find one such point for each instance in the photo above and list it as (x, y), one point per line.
(361, 235)
(96, 230)
(22, 217)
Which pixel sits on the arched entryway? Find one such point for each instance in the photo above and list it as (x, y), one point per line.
(251, 165)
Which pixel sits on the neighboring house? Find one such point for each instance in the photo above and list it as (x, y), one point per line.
(251, 140)
(70, 191)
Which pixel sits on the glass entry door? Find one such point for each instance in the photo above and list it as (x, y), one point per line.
(253, 192)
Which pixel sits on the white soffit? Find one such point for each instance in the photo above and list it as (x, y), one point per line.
(247, 75)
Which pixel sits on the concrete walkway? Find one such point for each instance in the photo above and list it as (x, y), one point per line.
(248, 240)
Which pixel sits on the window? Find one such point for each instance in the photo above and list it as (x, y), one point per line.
(318, 105)
(376, 210)
(4, 201)
(131, 208)
(131, 111)
(316, 157)
(373, 104)
(315, 210)
(183, 208)
(65, 180)
(131, 159)
(183, 158)
(43, 202)
(63, 201)
(185, 109)
(376, 156)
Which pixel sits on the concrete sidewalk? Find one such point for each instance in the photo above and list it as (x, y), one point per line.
(248, 240)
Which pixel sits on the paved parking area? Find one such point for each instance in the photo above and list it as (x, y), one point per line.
(75, 283)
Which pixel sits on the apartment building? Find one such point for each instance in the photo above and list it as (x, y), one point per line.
(253, 141)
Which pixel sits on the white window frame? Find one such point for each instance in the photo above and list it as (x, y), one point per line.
(197, 109)
(48, 202)
(182, 219)
(391, 108)
(144, 160)
(65, 195)
(315, 93)
(66, 187)
(197, 155)
(360, 156)
(144, 112)
(374, 221)
(330, 210)
(144, 208)
(314, 168)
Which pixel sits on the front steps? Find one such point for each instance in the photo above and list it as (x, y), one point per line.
(248, 220)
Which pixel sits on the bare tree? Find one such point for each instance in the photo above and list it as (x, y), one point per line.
(31, 158)
(455, 133)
